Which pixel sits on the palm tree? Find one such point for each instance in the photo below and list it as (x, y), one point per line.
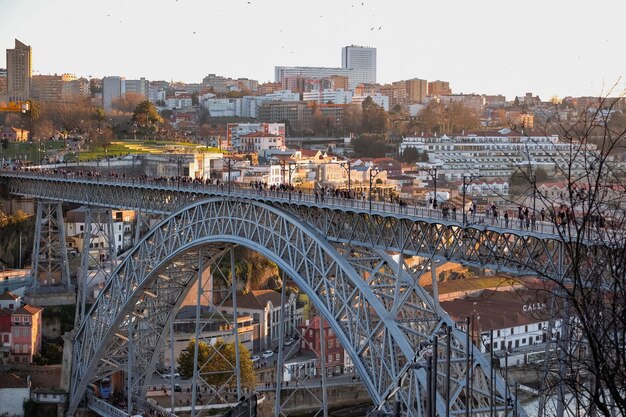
(146, 115)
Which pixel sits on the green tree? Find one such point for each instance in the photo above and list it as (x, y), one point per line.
(216, 364)
(146, 115)
(370, 145)
(411, 155)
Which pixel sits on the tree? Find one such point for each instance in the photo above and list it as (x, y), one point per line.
(146, 115)
(216, 364)
(450, 118)
(411, 155)
(589, 295)
(370, 145)
(127, 103)
(373, 117)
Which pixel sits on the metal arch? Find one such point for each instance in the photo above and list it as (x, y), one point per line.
(179, 233)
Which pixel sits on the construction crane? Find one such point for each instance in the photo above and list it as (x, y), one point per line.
(15, 106)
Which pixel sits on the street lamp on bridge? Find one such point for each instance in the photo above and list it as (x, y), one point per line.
(465, 183)
(373, 174)
(230, 162)
(348, 167)
(290, 167)
(432, 171)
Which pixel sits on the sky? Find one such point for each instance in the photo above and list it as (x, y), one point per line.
(547, 47)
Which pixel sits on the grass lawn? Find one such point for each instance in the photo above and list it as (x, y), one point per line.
(29, 151)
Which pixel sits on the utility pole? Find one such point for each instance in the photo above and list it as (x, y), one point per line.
(230, 163)
(348, 167)
(433, 174)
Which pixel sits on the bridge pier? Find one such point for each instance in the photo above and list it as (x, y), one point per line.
(50, 276)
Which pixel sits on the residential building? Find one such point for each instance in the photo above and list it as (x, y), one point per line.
(259, 142)
(354, 77)
(26, 334)
(113, 88)
(405, 92)
(519, 321)
(3, 84)
(140, 87)
(14, 134)
(14, 391)
(378, 99)
(311, 340)
(19, 71)
(362, 59)
(214, 326)
(268, 88)
(439, 88)
(497, 153)
(264, 307)
(123, 228)
(473, 101)
(5, 335)
(47, 88)
(10, 301)
(328, 96)
(295, 114)
(234, 131)
(180, 101)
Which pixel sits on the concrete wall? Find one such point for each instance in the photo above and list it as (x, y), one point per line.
(12, 400)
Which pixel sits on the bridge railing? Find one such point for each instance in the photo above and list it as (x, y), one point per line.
(359, 201)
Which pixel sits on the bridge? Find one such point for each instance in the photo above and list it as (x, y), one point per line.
(339, 252)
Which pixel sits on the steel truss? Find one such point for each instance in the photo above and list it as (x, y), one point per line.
(50, 267)
(511, 251)
(383, 318)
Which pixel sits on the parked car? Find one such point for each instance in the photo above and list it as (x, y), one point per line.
(289, 341)
(167, 376)
(178, 388)
(255, 358)
(267, 354)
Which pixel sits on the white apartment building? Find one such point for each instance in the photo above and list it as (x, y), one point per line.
(113, 88)
(378, 99)
(260, 142)
(180, 102)
(234, 131)
(495, 153)
(123, 226)
(354, 77)
(339, 96)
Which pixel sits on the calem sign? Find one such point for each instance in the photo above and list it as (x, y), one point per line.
(530, 307)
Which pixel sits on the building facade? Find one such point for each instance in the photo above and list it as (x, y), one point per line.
(362, 59)
(26, 333)
(19, 72)
(439, 88)
(113, 88)
(311, 341)
(354, 77)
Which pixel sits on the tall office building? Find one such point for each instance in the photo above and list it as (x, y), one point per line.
(113, 88)
(362, 59)
(19, 71)
(140, 87)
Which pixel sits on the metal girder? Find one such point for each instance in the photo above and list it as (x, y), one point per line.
(50, 267)
(380, 314)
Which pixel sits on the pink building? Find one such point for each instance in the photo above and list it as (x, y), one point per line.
(26, 324)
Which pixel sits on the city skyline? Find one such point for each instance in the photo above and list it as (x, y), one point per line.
(471, 47)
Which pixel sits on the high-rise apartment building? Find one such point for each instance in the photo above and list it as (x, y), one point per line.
(354, 77)
(19, 71)
(3, 83)
(362, 59)
(140, 87)
(439, 88)
(113, 88)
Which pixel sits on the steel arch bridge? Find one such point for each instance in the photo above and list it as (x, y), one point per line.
(337, 254)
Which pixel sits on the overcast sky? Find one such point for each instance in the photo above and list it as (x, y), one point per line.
(548, 47)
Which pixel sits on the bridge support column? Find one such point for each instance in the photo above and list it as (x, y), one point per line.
(50, 276)
(97, 262)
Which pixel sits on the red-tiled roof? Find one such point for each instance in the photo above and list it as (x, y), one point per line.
(256, 300)
(28, 309)
(12, 381)
(8, 296)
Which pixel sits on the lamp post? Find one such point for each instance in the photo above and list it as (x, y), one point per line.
(433, 174)
(230, 163)
(347, 166)
(465, 183)
(373, 174)
(292, 168)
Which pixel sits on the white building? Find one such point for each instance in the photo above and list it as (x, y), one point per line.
(378, 99)
(519, 321)
(259, 142)
(235, 131)
(339, 96)
(497, 153)
(362, 59)
(180, 102)
(122, 221)
(13, 392)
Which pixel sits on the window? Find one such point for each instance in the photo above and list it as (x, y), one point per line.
(25, 332)
(498, 333)
(17, 319)
(526, 329)
(330, 344)
(337, 357)
(512, 330)
(330, 358)
(523, 341)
